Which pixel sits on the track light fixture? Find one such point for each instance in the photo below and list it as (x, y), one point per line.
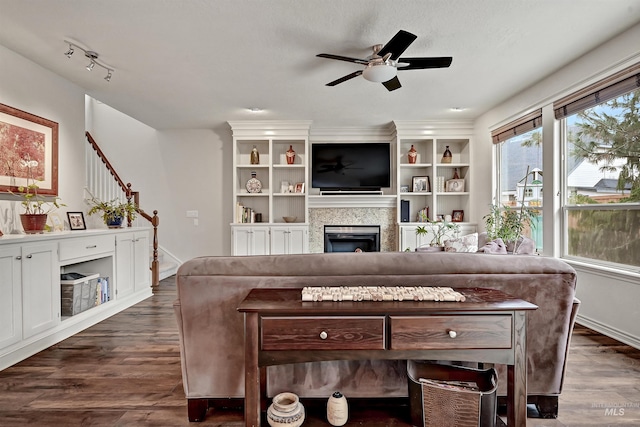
(93, 58)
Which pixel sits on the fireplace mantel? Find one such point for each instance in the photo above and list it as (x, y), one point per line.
(353, 201)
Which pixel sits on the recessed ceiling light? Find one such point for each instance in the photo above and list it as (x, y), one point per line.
(457, 109)
(255, 109)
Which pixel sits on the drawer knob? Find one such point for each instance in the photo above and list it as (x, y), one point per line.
(323, 335)
(453, 334)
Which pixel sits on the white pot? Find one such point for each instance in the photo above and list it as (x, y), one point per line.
(285, 411)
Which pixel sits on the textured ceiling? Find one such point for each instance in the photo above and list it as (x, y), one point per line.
(200, 63)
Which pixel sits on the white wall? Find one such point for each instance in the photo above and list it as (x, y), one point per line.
(174, 171)
(31, 88)
(602, 307)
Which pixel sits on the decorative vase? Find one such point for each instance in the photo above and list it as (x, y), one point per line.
(115, 222)
(446, 157)
(33, 223)
(455, 174)
(412, 155)
(291, 155)
(337, 409)
(285, 411)
(255, 156)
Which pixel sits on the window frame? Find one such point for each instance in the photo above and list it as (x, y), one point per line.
(566, 208)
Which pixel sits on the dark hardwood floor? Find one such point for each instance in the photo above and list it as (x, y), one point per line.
(125, 371)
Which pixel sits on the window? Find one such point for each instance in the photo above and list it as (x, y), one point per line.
(519, 156)
(602, 181)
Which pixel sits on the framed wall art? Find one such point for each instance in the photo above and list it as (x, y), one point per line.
(28, 151)
(76, 221)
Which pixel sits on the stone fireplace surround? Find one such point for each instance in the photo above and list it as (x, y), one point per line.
(384, 217)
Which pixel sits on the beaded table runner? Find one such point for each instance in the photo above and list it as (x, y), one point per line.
(380, 293)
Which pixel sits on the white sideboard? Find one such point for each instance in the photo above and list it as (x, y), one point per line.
(30, 269)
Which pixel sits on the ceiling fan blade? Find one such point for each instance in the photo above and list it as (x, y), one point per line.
(345, 78)
(392, 84)
(422, 63)
(343, 58)
(398, 44)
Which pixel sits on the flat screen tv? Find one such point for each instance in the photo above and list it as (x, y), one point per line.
(351, 166)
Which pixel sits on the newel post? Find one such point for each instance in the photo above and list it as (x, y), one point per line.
(155, 264)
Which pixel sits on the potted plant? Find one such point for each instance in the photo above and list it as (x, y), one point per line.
(36, 206)
(507, 223)
(113, 212)
(440, 230)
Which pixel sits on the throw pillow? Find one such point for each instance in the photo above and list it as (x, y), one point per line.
(494, 247)
(468, 243)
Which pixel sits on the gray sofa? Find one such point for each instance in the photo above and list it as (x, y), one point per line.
(211, 330)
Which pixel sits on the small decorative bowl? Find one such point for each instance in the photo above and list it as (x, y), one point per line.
(289, 218)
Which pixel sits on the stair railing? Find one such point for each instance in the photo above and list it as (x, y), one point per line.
(118, 184)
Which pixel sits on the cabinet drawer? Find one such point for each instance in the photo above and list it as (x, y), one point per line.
(323, 333)
(433, 332)
(86, 246)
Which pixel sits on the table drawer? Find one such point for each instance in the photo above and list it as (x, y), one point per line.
(86, 246)
(450, 332)
(322, 333)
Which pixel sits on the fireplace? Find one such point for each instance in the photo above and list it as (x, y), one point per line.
(352, 238)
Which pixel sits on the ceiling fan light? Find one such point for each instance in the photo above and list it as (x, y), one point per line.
(379, 73)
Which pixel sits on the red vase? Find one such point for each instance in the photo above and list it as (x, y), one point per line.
(412, 155)
(33, 223)
(291, 155)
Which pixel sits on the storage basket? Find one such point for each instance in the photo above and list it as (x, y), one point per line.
(77, 294)
(448, 395)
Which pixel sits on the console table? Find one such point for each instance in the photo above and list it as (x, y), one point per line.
(490, 327)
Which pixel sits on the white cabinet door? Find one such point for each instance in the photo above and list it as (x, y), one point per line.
(279, 240)
(142, 272)
(289, 240)
(125, 264)
(409, 240)
(298, 240)
(250, 240)
(40, 288)
(11, 291)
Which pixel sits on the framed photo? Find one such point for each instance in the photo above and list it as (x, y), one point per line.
(439, 218)
(454, 186)
(76, 221)
(404, 188)
(28, 151)
(299, 187)
(457, 216)
(421, 184)
(56, 221)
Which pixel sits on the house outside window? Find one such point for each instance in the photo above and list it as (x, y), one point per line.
(520, 175)
(601, 203)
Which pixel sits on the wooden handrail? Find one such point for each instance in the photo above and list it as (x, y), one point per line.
(135, 195)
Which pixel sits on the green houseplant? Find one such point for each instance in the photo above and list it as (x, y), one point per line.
(36, 206)
(440, 229)
(509, 224)
(113, 212)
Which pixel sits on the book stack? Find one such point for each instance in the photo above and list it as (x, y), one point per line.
(244, 214)
(103, 293)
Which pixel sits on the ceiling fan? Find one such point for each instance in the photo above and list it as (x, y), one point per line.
(383, 65)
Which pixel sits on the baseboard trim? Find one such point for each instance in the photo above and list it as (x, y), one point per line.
(609, 331)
